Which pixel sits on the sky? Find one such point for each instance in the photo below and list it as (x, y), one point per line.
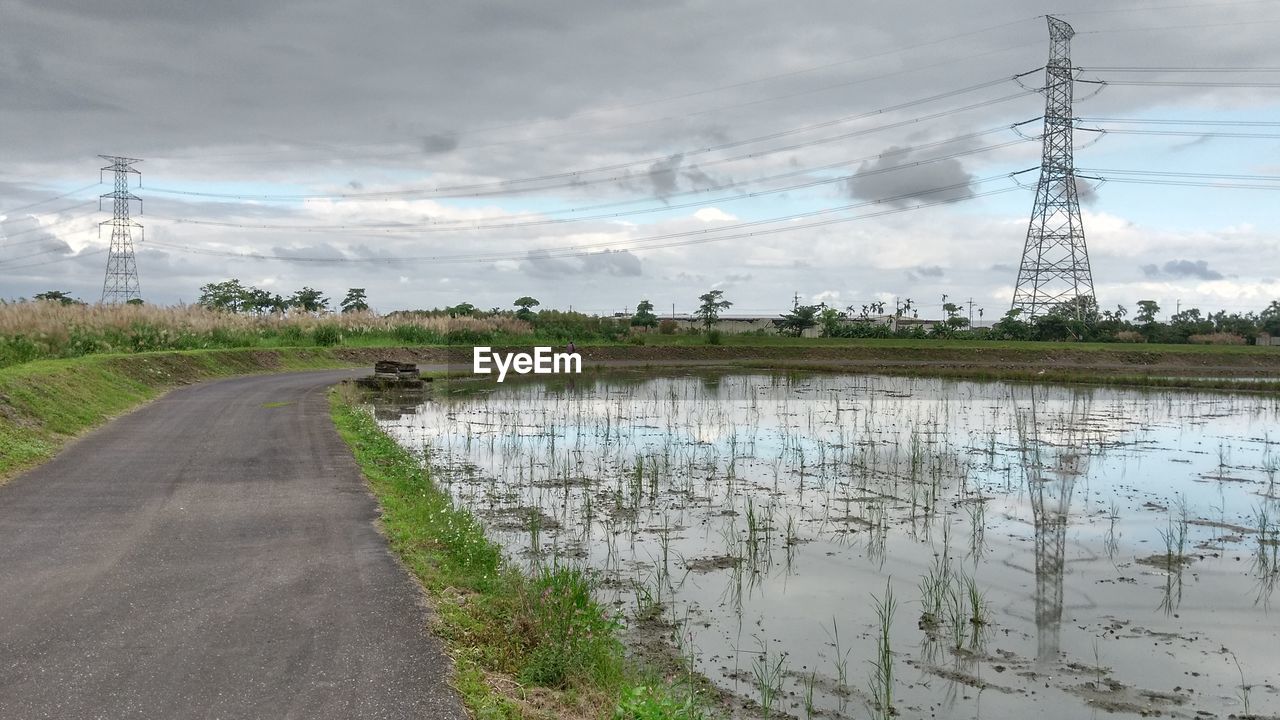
(593, 154)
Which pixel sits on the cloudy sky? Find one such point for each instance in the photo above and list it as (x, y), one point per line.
(595, 153)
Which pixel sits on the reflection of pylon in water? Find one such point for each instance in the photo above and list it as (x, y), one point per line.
(1050, 482)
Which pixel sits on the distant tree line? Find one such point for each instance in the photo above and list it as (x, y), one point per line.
(1077, 320)
(233, 296)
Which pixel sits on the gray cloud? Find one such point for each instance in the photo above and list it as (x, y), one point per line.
(1198, 269)
(878, 180)
(1086, 192)
(663, 175)
(610, 263)
(437, 143)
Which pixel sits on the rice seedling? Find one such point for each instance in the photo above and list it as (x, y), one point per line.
(1099, 674)
(535, 531)
(840, 658)
(1245, 687)
(810, 709)
(1111, 542)
(957, 617)
(882, 665)
(977, 603)
(934, 588)
(1270, 466)
(769, 672)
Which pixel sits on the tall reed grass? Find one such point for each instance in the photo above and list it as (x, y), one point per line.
(39, 330)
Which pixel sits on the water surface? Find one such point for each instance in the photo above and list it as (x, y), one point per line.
(1120, 544)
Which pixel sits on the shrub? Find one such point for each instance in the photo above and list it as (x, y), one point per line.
(636, 339)
(667, 327)
(414, 334)
(466, 336)
(327, 334)
(714, 337)
(1218, 338)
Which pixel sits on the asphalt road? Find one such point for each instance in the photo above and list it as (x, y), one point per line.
(210, 556)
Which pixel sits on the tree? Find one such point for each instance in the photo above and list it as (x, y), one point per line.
(712, 304)
(133, 301)
(644, 316)
(1245, 326)
(954, 320)
(1147, 311)
(800, 319)
(461, 309)
(526, 305)
(355, 301)
(1269, 319)
(310, 300)
(259, 301)
(58, 296)
(227, 295)
(832, 322)
(1011, 326)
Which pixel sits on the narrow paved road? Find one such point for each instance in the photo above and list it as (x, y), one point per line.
(212, 555)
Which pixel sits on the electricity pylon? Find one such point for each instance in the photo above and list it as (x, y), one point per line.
(121, 282)
(1055, 262)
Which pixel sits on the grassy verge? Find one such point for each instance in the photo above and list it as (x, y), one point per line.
(46, 403)
(524, 645)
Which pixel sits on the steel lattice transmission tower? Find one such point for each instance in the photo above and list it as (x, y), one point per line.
(121, 282)
(1055, 262)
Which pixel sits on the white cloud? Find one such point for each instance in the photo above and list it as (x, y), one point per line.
(710, 214)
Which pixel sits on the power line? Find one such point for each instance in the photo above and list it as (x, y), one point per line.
(661, 208)
(1171, 69)
(1194, 26)
(638, 243)
(1171, 121)
(1148, 8)
(1182, 83)
(66, 258)
(1182, 133)
(577, 173)
(69, 193)
(1165, 173)
(56, 223)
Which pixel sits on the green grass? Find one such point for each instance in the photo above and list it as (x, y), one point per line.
(523, 645)
(45, 403)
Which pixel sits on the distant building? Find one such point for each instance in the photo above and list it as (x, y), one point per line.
(770, 324)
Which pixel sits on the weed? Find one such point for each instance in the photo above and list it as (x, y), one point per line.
(645, 702)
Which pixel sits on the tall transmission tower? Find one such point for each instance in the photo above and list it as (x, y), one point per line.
(121, 282)
(1055, 262)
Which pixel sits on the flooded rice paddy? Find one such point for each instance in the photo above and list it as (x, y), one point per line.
(828, 545)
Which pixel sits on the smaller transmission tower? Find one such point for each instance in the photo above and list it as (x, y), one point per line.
(1055, 262)
(121, 282)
